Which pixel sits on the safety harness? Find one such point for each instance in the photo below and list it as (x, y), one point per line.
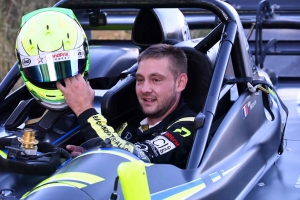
(255, 85)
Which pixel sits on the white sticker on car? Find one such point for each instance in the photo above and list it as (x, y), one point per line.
(162, 144)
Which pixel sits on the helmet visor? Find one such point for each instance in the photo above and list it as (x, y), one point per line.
(54, 66)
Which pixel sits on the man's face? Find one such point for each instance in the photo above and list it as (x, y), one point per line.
(156, 87)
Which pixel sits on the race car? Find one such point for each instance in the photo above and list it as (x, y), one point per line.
(242, 107)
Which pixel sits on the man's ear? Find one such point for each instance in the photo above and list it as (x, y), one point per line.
(181, 82)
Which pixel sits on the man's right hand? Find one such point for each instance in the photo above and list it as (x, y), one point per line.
(75, 150)
(78, 93)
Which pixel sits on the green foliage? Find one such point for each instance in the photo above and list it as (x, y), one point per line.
(11, 12)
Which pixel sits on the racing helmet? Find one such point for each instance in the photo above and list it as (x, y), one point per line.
(51, 46)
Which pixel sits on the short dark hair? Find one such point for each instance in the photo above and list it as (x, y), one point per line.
(175, 55)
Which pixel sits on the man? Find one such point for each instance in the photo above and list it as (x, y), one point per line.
(166, 134)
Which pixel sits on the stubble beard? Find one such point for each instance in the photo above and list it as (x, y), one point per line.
(162, 108)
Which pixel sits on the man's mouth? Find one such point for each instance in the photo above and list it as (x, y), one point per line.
(149, 99)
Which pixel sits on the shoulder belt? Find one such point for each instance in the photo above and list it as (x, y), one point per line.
(264, 84)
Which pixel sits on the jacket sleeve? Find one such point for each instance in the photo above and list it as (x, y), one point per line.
(93, 124)
(172, 146)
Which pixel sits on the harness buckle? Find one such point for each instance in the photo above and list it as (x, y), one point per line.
(253, 89)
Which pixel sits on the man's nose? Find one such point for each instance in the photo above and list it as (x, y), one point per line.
(146, 87)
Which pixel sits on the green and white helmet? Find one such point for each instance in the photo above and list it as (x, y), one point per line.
(51, 46)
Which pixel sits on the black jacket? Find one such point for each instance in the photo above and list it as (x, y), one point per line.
(169, 142)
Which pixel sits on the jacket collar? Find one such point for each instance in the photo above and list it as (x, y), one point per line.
(160, 127)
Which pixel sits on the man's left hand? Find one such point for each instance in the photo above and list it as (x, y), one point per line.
(75, 150)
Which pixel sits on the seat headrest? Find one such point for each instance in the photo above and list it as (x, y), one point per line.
(158, 25)
(199, 76)
(120, 102)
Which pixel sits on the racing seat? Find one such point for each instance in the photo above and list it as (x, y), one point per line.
(200, 71)
(120, 102)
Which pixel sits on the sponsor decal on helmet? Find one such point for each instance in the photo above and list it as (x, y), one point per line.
(40, 60)
(26, 61)
(47, 58)
(59, 55)
(79, 53)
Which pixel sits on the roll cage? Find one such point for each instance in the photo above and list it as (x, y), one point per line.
(247, 154)
(229, 32)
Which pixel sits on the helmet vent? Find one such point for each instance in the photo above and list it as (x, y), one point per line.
(50, 95)
(47, 27)
(30, 42)
(68, 35)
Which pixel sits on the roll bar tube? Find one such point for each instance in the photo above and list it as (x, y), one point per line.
(9, 81)
(211, 103)
(83, 4)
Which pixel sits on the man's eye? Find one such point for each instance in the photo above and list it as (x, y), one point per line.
(139, 80)
(156, 80)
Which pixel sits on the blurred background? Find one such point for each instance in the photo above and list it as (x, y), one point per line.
(13, 10)
(10, 18)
